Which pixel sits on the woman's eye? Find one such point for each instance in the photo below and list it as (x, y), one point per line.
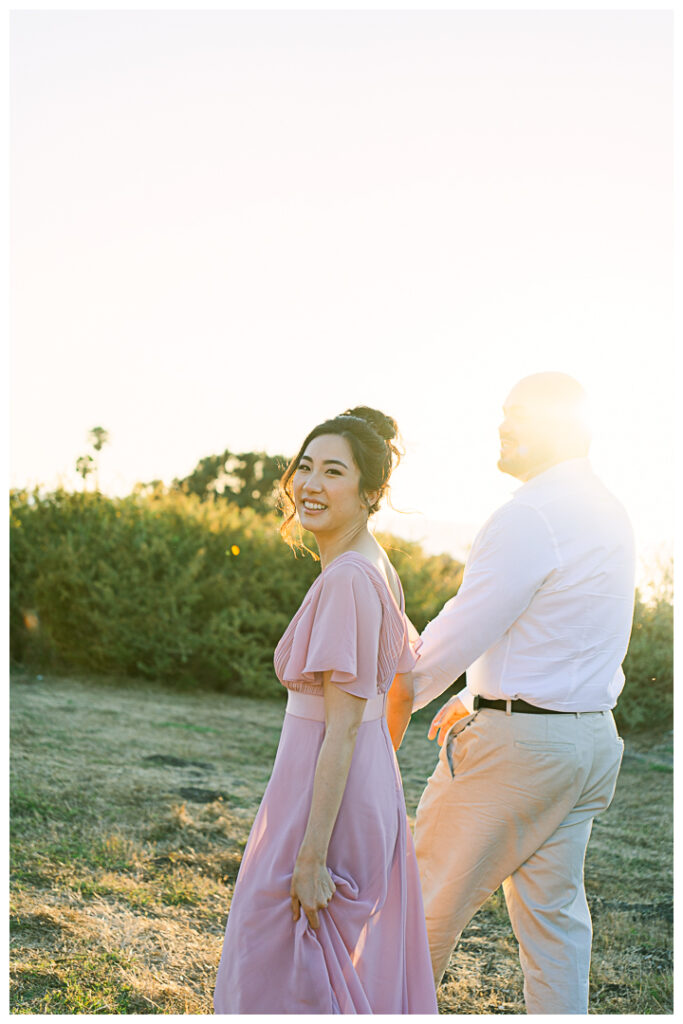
(334, 472)
(301, 466)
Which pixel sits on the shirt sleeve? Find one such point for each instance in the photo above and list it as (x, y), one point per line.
(512, 555)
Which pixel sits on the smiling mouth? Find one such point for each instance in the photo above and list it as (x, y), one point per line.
(314, 506)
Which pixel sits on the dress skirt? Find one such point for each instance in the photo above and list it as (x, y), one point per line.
(370, 953)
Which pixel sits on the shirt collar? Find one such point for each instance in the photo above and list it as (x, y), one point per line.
(564, 470)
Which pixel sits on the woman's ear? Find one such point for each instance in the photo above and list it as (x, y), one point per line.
(369, 498)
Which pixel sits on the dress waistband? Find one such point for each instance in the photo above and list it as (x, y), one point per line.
(309, 705)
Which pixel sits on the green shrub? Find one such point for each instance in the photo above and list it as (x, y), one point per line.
(646, 702)
(165, 586)
(148, 585)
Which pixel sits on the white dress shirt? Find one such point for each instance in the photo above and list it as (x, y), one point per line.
(545, 607)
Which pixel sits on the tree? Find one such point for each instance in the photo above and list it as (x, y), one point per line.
(84, 466)
(98, 437)
(87, 464)
(248, 479)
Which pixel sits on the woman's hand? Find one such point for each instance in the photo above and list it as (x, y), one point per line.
(312, 888)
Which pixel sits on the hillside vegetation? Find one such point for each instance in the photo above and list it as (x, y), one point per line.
(165, 586)
(168, 587)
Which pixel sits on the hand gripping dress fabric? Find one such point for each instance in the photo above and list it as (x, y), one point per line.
(370, 953)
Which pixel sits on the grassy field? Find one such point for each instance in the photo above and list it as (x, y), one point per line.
(131, 806)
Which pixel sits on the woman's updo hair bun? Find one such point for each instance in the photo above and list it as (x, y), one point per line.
(384, 425)
(372, 437)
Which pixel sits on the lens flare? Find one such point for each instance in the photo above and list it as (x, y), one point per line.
(31, 621)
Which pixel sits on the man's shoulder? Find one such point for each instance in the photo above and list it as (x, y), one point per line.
(515, 510)
(514, 517)
(581, 493)
(579, 510)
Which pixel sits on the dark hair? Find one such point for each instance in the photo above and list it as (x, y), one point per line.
(371, 436)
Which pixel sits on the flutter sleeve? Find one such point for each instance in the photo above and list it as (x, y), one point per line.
(339, 634)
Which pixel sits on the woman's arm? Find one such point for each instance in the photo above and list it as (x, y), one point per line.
(312, 887)
(399, 706)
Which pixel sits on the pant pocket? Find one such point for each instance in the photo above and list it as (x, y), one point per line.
(553, 756)
(609, 717)
(454, 741)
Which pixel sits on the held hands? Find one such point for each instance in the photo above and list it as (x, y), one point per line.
(452, 711)
(312, 888)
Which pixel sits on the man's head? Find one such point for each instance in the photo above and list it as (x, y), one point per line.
(544, 422)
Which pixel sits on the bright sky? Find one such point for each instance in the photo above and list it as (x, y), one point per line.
(228, 226)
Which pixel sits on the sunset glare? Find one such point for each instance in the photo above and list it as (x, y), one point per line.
(229, 225)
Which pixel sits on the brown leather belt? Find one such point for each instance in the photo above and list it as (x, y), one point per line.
(519, 706)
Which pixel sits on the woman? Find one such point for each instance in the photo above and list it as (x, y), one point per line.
(326, 915)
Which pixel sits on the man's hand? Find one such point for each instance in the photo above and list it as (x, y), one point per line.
(449, 714)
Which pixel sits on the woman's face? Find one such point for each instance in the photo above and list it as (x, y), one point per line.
(326, 487)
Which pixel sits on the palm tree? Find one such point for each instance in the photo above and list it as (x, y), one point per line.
(98, 437)
(84, 466)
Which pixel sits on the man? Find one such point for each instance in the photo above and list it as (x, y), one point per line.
(530, 752)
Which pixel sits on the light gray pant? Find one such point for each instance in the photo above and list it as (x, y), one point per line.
(512, 802)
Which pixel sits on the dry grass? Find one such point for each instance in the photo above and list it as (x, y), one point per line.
(131, 806)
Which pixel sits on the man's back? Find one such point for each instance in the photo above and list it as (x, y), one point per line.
(545, 607)
(566, 648)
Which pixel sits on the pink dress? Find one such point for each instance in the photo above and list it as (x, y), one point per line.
(370, 953)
